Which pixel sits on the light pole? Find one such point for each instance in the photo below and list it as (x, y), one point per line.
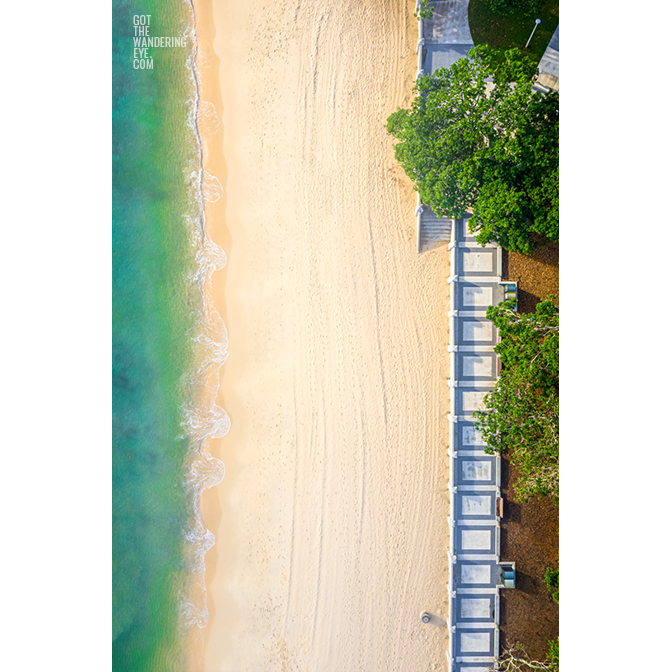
(536, 23)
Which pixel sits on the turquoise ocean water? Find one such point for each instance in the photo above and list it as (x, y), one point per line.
(168, 342)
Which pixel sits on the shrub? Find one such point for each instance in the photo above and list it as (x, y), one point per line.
(552, 579)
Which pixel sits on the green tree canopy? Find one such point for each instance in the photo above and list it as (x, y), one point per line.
(522, 414)
(478, 138)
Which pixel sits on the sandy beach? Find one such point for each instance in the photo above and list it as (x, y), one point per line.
(330, 524)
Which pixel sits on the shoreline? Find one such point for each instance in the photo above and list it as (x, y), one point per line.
(320, 394)
(213, 163)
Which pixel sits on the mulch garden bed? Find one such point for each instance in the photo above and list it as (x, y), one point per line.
(529, 532)
(537, 275)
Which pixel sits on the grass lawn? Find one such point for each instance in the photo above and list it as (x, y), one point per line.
(505, 31)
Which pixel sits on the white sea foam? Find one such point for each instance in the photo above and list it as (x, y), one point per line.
(212, 188)
(208, 121)
(206, 423)
(193, 607)
(206, 471)
(203, 419)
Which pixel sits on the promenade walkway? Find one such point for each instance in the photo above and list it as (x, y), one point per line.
(476, 572)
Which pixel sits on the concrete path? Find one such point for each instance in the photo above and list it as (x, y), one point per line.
(447, 36)
(549, 66)
(476, 571)
(450, 23)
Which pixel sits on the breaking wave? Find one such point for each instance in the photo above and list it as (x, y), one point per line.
(202, 419)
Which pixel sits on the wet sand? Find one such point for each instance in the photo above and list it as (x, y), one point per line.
(330, 523)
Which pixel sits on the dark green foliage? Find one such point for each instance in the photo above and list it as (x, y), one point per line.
(478, 137)
(425, 11)
(553, 655)
(524, 7)
(521, 416)
(552, 579)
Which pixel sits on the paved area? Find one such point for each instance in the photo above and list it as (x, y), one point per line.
(450, 23)
(549, 66)
(476, 575)
(443, 55)
(445, 37)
